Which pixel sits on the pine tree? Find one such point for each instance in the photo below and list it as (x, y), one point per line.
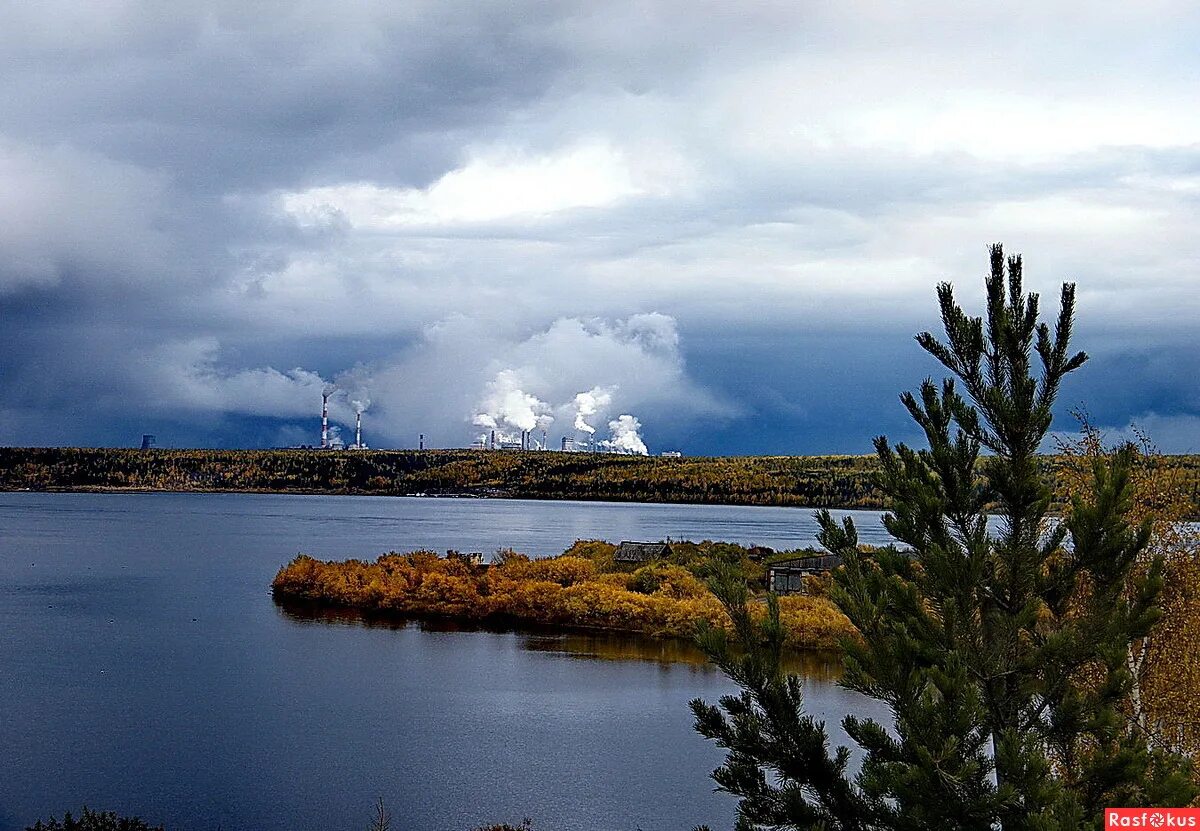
(999, 648)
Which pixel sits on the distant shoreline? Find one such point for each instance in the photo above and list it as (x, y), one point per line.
(812, 482)
(791, 481)
(615, 500)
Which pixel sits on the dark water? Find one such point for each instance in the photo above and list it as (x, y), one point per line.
(144, 668)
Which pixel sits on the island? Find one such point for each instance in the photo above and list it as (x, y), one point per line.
(649, 588)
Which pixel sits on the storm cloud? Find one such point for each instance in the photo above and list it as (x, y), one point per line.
(727, 217)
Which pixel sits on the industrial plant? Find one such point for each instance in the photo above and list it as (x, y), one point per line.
(625, 430)
(331, 436)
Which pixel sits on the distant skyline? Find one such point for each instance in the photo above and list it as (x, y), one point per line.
(724, 219)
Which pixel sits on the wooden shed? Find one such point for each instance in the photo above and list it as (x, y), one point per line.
(787, 576)
(641, 552)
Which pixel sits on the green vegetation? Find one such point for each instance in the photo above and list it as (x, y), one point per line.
(583, 588)
(834, 481)
(1003, 659)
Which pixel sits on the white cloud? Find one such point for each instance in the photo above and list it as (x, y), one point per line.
(492, 186)
(505, 404)
(510, 188)
(185, 376)
(62, 210)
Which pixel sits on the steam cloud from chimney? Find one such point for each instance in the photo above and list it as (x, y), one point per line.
(626, 437)
(505, 404)
(587, 404)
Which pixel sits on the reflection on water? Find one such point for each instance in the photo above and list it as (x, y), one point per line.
(814, 666)
(821, 667)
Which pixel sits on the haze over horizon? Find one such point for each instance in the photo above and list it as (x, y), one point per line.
(724, 219)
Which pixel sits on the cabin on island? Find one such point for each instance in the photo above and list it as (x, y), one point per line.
(641, 552)
(787, 576)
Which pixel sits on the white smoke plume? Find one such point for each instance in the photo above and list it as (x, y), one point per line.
(335, 437)
(587, 404)
(626, 437)
(360, 404)
(431, 386)
(505, 403)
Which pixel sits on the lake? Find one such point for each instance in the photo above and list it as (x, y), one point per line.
(144, 668)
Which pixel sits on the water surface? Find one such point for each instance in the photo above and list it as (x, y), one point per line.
(144, 668)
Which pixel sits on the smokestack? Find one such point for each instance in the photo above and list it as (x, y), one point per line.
(524, 439)
(421, 442)
(493, 440)
(544, 445)
(358, 430)
(324, 421)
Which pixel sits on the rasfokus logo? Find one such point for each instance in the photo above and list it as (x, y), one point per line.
(1152, 818)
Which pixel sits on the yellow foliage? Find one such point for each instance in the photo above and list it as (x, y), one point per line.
(565, 570)
(569, 590)
(812, 622)
(599, 552)
(1165, 702)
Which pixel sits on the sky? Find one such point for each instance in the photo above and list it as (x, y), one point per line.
(724, 220)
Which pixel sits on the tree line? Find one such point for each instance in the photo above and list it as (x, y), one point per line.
(805, 481)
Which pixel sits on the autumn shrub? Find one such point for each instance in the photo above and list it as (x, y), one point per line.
(1164, 699)
(812, 622)
(817, 585)
(565, 570)
(599, 552)
(646, 579)
(667, 579)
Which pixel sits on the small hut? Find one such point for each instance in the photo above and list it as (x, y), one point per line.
(641, 552)
(787, 576)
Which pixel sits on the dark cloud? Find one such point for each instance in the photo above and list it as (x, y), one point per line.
(206, 212)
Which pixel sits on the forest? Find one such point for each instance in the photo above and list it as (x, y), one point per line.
(809, 481)
(583, 588)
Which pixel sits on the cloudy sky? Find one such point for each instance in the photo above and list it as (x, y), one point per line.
(725, 219)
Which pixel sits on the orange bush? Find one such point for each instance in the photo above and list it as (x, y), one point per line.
(569, 590)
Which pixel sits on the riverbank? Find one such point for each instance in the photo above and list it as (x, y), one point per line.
(815, 481)
(585, 588)
(845, 482)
